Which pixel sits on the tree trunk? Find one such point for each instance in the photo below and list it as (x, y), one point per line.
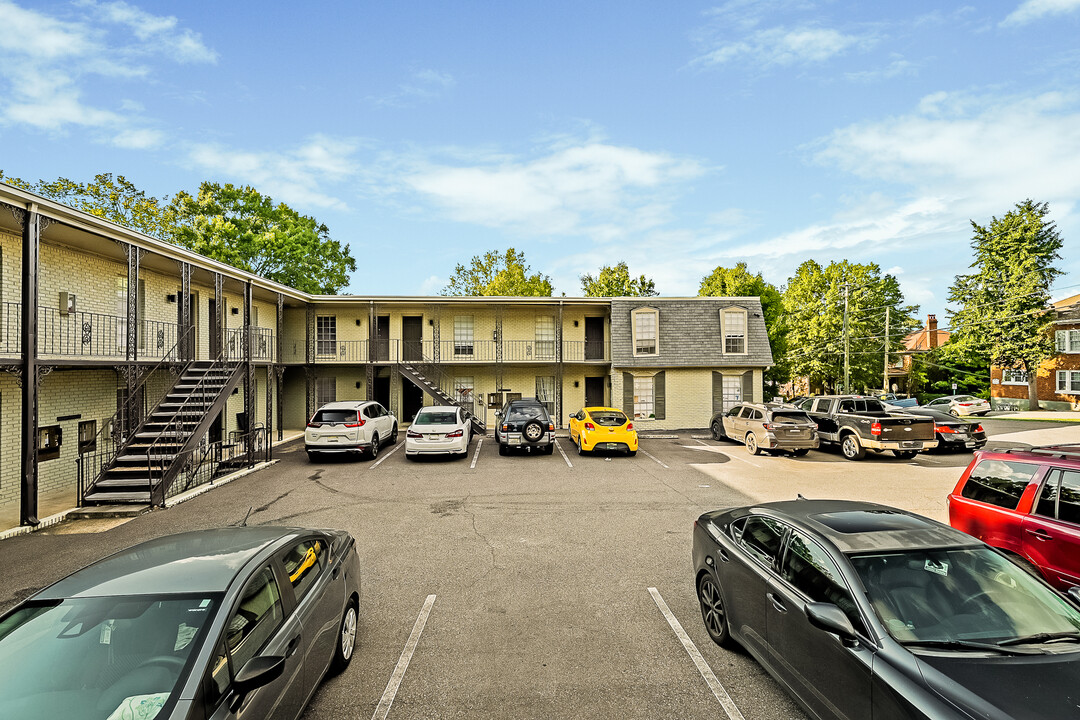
(1033, 391)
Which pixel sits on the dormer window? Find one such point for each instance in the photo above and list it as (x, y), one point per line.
(645, 323)
(733, 328)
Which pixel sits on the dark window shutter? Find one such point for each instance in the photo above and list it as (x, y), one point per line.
(628, 394)
(748, 386)
(717, 392)
(659, 403)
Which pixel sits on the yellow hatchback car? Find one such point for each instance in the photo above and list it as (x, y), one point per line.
(603, 428)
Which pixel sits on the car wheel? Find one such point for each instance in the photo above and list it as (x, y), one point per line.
(905, 454)
(751, 444)
(533, 431)
(631, 453)
(713, 612)
(346, 639)
(550, 449)
(503, 449)
(718, 430)
(374, 446)
(580, 450)
(954, 412)
(393, 435)
(800, 452)
(312, 456)
(852, 448)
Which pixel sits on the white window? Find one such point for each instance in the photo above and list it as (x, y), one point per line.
(545, 392)
(326, 335)
(734, 326)
(463, 335)
(325, 391)
(1014, 377)
(545, 337)
(644, 398)
(1068, 381)
(1068, 341)
(732, 391)
(645, 323)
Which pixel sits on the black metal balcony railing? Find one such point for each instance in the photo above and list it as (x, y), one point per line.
(86, 334)
(449, 351)
(262, 344)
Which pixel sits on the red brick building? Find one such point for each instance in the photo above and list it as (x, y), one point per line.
(1058, 379)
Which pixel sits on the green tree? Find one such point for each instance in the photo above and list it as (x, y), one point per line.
(814, 311)
(242, 227)
(1004, 313)
(740, 282)
(495, 273)
(115, 199)
(615, 281)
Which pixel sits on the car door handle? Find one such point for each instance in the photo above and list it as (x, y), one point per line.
(1041, 534)
(293, 645)
(723, 555)
(776, 602)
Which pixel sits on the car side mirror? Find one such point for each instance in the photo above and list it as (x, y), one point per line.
(498, 413)
(1074, 593)
(830, 618)
(257, 672)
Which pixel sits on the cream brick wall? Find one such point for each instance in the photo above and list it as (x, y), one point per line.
(10, 434)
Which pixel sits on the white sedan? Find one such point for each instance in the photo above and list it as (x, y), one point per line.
(959, 405)
(439, 430)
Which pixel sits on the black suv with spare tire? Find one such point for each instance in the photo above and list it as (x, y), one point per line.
(524, 424)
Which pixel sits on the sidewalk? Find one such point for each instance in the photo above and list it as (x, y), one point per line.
(1043, 415)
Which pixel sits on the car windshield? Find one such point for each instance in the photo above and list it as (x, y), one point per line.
(98, 658)
(524, 412)
(791, 417)
(330, 417)
(963, 595)
(436, 418)
(608, 418)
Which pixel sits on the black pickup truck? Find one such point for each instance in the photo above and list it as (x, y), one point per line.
(857, 423)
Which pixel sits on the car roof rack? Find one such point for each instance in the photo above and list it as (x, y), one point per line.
(1064, 451)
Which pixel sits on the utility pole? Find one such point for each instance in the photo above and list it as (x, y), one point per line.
(885, 371)
(847, 366)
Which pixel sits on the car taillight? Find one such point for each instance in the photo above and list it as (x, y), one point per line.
(767, 426)
(630, 426)
(314, 424)
(456, 434)
(590, 426)
(944, 429)
(413, 434)
(355, 424)
(875, 428)
(978, 428)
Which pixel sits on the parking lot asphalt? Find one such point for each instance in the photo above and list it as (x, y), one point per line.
(550, 573)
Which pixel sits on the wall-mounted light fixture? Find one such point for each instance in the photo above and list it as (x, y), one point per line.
(431, 322)
(575, 323)
(235, 311)
(575, 383)
(358, 383)
(170, 298)
(357, 322)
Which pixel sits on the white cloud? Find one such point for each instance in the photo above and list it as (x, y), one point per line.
(595, 189)
(424, 85)
(1031, 10)
(897, 68)
(296, 176)
(780, 46)
(44, 63)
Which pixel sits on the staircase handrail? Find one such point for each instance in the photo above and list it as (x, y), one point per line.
(112, 428)
(174, 428)
(431, 370)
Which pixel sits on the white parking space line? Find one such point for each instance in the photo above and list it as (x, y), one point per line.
(563, 453)
(476, 454)
(647, 454)
(718, 690)
(733, 456)
(403, 662)
(378, 462)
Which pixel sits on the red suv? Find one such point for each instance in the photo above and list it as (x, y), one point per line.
(1026, 502)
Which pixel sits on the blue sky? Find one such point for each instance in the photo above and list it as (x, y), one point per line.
(675, 136)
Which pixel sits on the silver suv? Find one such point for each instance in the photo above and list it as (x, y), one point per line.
(350, 427)
(768, 427)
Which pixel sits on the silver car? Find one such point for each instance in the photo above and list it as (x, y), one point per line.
(767, 427)
(230, 623)
(959, 405)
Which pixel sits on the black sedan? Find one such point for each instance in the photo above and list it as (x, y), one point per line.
(229, 623)
(953, 433)
(862, 611)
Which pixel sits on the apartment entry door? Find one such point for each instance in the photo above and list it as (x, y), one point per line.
(412, 400)
(594, 338)
(594, 392)
(382, 340)
(412, 334)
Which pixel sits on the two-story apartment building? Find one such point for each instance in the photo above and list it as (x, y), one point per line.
(134, 369)
(1057, 380)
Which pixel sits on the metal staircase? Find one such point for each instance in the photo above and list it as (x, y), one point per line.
(163, 444)
(429, 379)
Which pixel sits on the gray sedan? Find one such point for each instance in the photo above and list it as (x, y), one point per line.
(228, 623)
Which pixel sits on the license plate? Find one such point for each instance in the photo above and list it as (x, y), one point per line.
(432, 437)
(911, 444)
(331, 439)
(612, 446)
(513, 441)
(969, 444)
(794, 432)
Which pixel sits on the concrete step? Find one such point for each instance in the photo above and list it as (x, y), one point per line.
(106, 511)
(118, 497)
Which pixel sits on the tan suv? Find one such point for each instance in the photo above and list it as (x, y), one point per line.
(767, 427)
